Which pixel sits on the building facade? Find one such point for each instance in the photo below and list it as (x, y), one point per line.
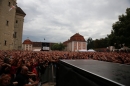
(11, 25)
(27, 45)
(36, 46)
(75, 43)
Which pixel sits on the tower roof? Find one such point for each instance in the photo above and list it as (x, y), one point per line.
(19, 11)
(77, 37)
(27, 41)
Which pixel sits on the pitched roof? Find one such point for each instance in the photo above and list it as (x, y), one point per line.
(77, 37)
(27, 41)
(19, 11)
(65, 43)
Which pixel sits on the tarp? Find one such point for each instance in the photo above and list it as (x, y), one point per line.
(82, 50)
(91, 50)
(37, 50)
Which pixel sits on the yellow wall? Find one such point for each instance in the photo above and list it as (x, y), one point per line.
(7, 31)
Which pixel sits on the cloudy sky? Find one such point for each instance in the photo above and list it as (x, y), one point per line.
(58, 20)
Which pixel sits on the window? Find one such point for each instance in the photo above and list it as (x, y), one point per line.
(16, 21)
(15, 35)
(7, 23)
(9, 3)
(5, 42)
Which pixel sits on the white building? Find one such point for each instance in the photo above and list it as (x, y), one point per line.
(76, 43)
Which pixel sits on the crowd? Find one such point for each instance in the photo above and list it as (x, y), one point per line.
(23, 68)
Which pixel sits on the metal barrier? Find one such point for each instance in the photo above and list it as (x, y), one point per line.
(49, 75)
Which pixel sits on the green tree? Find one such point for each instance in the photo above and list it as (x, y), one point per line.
(89, 43)
(57, 46)
(100, 43)
(61, 46)
(121, 30)
(97, 43)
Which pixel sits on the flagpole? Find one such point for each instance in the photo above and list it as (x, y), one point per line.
(12, 7)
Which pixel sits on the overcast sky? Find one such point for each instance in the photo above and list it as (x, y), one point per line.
(58, 20)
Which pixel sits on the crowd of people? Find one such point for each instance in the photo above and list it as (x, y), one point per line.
(21, 68)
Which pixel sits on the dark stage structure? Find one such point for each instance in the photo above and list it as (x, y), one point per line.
(92, 73)
(45, 46)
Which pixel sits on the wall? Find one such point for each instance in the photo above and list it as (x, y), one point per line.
(19, 31)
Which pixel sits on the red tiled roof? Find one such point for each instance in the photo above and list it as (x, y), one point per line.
(65, 43)
(27, 41)
(77, 37)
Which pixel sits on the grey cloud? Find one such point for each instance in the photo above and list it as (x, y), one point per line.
(57, 20)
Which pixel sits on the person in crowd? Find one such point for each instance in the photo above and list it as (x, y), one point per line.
(5, 80)
(28, 66)
(23, 79)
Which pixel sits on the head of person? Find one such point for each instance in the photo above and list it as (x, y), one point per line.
(24, 70)
(6, 60)
(5, 80)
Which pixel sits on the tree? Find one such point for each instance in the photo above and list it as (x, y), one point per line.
(57, 46)
(89, 43)
(121, 30)
(98, 43)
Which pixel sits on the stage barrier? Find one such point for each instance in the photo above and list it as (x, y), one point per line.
(92, 73)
